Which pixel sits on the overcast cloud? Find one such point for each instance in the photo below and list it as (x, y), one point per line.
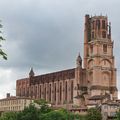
(48, 34)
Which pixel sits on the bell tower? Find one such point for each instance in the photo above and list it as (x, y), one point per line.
(98, 56)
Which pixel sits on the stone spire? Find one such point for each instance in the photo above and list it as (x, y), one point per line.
(31, 73)
(79, 61)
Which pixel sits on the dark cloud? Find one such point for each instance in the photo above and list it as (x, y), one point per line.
(48, 34)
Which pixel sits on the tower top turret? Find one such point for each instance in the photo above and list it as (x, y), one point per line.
(97, 27)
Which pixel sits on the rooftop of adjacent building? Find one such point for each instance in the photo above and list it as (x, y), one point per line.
(111, 103)
(8, 97)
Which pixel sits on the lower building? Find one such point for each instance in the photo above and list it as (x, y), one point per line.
(109, 109)
(13, 103)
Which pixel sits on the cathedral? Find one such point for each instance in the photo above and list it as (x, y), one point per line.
(93, 80)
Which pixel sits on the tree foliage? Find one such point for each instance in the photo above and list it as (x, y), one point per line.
(2, 53)
(53, 115)
(44, 112)
(44, 106)
(118, 115)
(94, 114)
(29, 113)
(9, 116)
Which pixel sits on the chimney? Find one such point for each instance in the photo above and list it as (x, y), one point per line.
(8, 95)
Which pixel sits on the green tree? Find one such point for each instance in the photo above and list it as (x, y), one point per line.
(118, 115)
(29, 113)
(94, 114)
(9, 116)
(44, 107)
(53, 115)
(2, 53)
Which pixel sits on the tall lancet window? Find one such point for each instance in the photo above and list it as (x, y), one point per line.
(31, 92)
(93, 25)
(60, 91)
(40, 91)
(50, 92)
(55, 92)
(66, 90)
(91, 49)
(23, 92)
(35, 92)
(103, 24)
(71, 90)
(92, 35)
(45, 92)
(105, 48)
(104, 34)
(27, 92)
(98, 24)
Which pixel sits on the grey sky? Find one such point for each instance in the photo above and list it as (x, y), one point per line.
(48, 34)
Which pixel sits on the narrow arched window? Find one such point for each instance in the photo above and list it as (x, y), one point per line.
(103, 24)
(40, 91)
(20, 92)
(71, 90)
(105, 48)
(31, 92)
(45, 92)
(66, 90)
(104, 34)
(23, 94)
(50, 92)
(55, 92)
(91, 49)
(27, 92)
(93, 25)
(92, 35)
(98, 24)
(35, 92)
(60, 91)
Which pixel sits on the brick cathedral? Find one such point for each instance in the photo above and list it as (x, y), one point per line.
(79, 86)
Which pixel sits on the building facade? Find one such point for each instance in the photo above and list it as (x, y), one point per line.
(77, 86)
(13, 103)
(109, 109)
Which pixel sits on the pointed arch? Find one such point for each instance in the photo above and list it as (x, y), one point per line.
(105, 63)
(90, 63)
